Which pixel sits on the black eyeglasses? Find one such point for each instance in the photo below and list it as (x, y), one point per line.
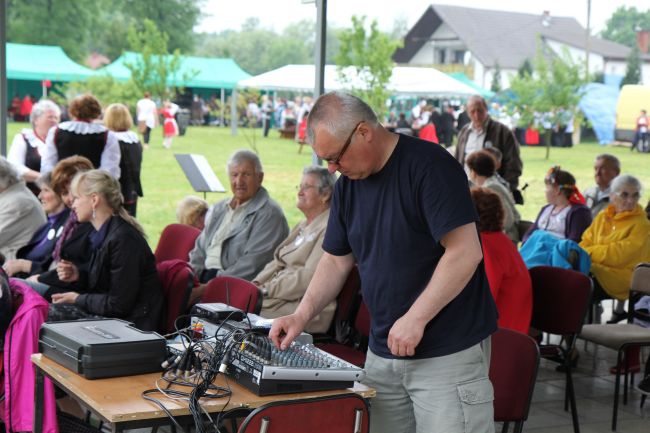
(344, 149)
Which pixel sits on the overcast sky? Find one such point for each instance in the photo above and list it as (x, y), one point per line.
(276, 14)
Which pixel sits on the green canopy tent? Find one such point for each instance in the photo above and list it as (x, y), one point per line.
(460, 76)
(202, 74)
(195, 72)
(28, 66)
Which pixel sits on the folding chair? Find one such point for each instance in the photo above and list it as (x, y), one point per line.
(621, 336)
(354, 351)
(561, 298)
(334, 414)
(177, 280)
(233, 291)
(176, 241)
(513, 371)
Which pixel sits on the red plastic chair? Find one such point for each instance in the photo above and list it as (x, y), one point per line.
(335, 414)
(561, 298)
(233, 291)
(513, 371)
(355, 351)
(176, 241)
(177, 280)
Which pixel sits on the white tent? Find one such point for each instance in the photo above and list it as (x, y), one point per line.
(426, 82)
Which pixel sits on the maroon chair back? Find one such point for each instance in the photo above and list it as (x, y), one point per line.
(353, 351)
(362, 321)
(513, 371)
(177, 279)
(176, 241)
(335, 414)
(347, 304)
(561, 298)
(235, 292)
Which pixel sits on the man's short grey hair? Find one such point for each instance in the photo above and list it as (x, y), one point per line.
(41, 107)
(326, 180)
(623, 180)
(339, 113)
(245, 155)
(476, 98)
(8, 174)
(610, 160)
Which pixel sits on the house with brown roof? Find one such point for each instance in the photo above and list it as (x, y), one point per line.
(475, 41)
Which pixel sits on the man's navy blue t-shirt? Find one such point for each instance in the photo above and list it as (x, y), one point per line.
(392, 222)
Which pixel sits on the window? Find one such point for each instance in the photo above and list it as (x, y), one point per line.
(441, 56)
(459, 56)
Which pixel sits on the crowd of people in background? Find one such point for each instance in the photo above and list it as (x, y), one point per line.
(80, 247)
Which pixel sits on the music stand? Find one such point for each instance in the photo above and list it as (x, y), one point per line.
(199, 173)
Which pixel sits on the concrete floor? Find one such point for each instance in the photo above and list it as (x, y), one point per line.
(594, 388)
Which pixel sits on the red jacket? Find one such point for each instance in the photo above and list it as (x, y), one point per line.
(428, 133)
(509, 281)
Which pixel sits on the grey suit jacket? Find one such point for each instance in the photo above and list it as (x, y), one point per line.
(21, 214)
(249, 245)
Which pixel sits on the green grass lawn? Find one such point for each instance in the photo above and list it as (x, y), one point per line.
(165, 184)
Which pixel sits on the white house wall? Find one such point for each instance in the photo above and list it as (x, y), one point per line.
(596, 61)
(505, 78)
(615, 67)
(427, 54)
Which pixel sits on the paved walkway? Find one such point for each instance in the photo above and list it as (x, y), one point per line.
(594, 387)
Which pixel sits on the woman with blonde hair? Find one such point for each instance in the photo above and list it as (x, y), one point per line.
(118, 119)
(191, 211)
(121, 280)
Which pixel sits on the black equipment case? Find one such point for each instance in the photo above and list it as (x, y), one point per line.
(102, 348)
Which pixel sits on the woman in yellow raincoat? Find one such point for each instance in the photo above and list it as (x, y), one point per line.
(618, 239)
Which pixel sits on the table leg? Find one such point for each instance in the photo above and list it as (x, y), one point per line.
(39, 390)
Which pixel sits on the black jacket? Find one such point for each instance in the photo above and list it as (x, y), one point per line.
(76, 249)
(122, 280)
(41, 264)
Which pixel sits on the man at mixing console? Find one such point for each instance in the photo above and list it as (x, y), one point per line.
(402, 210)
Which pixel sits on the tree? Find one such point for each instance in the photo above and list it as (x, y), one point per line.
(68, 24)
(633, 70)
(553, 90)
(107, 90)
(83, 26)
(525, 68)
(175, 18)
(257, 49)
(622, 25)
(370, 55)
(154, 68)
(496, 78)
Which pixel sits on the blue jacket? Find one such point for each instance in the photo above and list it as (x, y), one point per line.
(544, 249)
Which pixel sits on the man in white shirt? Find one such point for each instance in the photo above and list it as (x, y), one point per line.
(484, 132)
(147, 115)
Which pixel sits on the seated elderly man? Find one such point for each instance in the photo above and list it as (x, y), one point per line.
(21, 214)
(241, 232)
(284, 280)
(606, 168)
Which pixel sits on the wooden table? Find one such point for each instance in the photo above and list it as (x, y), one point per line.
(118, 400)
